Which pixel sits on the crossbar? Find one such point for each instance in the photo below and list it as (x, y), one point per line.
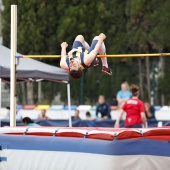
(101, 56)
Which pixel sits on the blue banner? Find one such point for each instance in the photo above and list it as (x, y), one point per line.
(83, 123)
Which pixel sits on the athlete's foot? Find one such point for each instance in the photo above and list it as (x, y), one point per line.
(106, 70)
(96, 63)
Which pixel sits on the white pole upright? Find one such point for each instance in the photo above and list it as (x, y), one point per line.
(0, 93)
(0, 97)
(13, 65)
(39, 91)
(69, 104)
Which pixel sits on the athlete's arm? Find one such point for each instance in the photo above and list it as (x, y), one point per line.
(143, 117)
(88, 58)
(63, 63)
(119, 118)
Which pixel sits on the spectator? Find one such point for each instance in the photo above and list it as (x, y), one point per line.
(76, 115)
(124, 94)
(43, 115)
(88, 116)
(18, 115)
(149, 111)
(103, 108)
(8, 113)
(28, 122)
(135, 111)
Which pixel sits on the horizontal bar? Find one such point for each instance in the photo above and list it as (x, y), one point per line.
(134, 55)
(39, 56)
(101, 56)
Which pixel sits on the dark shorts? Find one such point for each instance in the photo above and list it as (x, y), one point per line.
(77, 44)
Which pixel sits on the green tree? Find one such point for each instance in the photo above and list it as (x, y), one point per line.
(139, 26)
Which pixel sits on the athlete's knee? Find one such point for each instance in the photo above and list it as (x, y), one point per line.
(96, 38)
(79, 38)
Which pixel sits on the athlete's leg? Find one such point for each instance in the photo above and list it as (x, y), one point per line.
(86, 45)
(81, 40)
(102, 50)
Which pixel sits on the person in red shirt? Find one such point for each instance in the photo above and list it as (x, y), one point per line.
(135, 111)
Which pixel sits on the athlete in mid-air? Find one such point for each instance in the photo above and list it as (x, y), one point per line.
(84, 56)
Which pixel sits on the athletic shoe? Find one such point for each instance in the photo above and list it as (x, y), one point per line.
(106, 70)
(96, 63)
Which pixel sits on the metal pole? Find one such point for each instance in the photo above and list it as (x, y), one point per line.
(39, 91)
(153, 85)
(69, 104)
(0, 92)
(13, 65)
(82, 89)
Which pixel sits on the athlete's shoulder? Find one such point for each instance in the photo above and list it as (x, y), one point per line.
(140, 101)
(132, 101)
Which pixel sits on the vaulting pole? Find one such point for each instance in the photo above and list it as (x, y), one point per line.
(13, 65)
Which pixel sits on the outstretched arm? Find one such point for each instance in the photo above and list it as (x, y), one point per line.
(63, 63)
(143, 117)
(90, 57)
(119, 118)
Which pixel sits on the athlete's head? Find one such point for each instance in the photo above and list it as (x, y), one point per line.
(75, 69)
(135, 90)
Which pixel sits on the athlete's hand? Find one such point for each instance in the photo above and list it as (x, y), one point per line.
(64, 45)
(102, 36)
(116, 125)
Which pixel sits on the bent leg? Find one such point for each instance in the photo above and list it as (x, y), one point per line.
(102, 50)
(105, 68)
(80, 39)
(93, 44)
(78, 42)
(86, 45)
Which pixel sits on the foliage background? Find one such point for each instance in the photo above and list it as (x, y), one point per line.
(139, 26)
